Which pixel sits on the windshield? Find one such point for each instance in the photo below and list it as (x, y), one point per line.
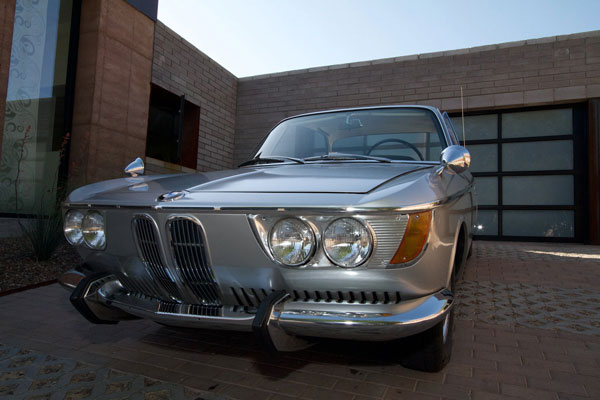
(410, 134)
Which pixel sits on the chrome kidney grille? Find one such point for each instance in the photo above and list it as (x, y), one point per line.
(146, 236)
(189, 254)
(187, 278)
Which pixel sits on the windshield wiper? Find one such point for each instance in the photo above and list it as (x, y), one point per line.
(346, 156)
(270, 159)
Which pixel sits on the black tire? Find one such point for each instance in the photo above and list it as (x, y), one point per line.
(470, 253)
(430, 351)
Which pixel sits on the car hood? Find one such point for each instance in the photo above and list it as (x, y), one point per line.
(311, 178)
(333, 178)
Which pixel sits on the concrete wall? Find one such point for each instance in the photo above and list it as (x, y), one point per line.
(7, 17)
(532, 72)
(181, 68)
(112, 89)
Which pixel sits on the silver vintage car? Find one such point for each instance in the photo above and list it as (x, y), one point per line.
(347, 224)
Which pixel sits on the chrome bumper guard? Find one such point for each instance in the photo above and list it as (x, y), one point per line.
(282, 324)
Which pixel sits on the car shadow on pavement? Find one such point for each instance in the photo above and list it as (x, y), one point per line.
(237, 350)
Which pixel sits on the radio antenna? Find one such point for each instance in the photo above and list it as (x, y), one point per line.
(462, 110)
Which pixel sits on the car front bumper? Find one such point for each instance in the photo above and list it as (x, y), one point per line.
(282, 323)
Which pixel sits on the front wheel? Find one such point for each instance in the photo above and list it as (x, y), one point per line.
(430, 351)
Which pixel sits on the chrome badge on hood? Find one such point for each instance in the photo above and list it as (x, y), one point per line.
(171, 196)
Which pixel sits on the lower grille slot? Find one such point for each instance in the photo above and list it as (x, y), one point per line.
(189, 309)
(166, 307)
(249, 301)
(212, 311)
(189, 253)
(251, 297)
(138, 286)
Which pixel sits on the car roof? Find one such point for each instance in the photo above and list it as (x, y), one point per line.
(435, 110)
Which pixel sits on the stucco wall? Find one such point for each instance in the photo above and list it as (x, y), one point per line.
(112, 89)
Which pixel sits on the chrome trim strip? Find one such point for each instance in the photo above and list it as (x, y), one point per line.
(316, 210)
(70, 279)
(297, 318)
(245, 210)
(420, 314)
(149, 309)
(409, 208)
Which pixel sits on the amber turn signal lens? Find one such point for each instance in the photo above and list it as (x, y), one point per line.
(414, 238)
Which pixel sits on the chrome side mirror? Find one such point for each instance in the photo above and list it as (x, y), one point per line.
(135, 168)
(457, 158)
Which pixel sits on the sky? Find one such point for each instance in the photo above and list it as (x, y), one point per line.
(254, 37)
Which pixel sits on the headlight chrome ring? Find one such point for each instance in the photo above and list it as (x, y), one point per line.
(347, 242)
(72, 227)
(93, 231)
(292, 242)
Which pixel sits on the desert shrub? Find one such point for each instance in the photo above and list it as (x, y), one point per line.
(43, 233)
(43, 230)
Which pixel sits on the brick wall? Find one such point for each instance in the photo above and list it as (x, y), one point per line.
(182, 69)
(112, 88)
(532, 72)
(7, 17)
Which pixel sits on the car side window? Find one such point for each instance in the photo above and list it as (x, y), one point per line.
(450, 128)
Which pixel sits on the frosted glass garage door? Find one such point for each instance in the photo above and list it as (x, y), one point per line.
(526, 172)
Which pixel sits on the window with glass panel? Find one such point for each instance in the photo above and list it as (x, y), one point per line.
(38, 106)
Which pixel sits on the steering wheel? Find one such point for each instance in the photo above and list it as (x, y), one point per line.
(403, 142)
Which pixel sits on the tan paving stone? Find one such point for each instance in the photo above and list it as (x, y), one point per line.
(79, 393)
(526, 327)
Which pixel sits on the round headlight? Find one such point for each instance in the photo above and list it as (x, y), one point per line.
(92, 229)
(292, 242)
(347, 242)
(72, 226)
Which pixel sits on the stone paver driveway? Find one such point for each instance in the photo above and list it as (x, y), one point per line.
(527, 327)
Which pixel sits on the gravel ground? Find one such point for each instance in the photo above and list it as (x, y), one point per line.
(19, 268)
